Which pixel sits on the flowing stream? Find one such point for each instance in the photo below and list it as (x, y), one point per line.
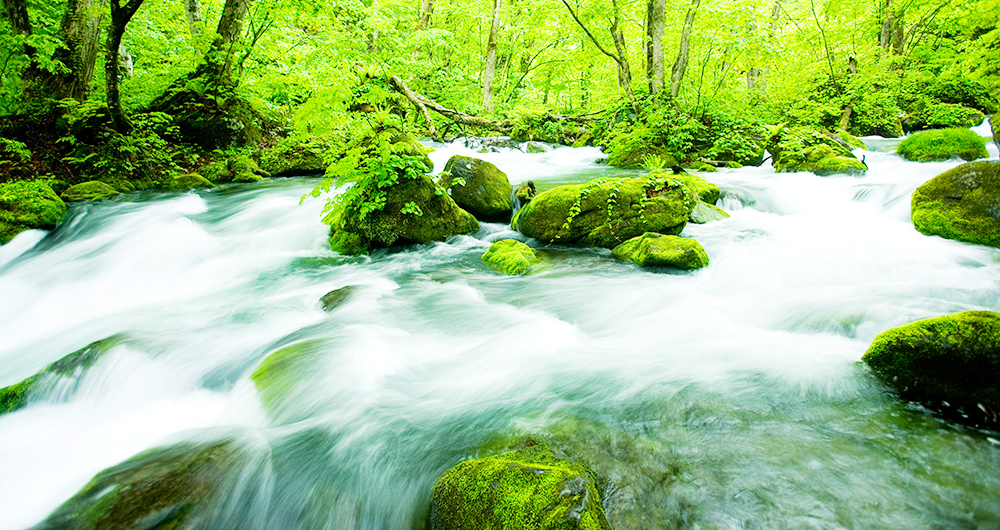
(730, 397)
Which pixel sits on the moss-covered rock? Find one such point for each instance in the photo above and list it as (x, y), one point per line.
(16, 396)
(606, 212)
(295, 156)
(94, 190)
(237, 168)
(510, 256)
(188, 182)
(415, 211)
(337, 297)
(806, 149)
(930, 114)
(658, 250)
(702, 189)
(950, 363)
(27, 205)
(995, 127)
(705, 167)
(634, 155)
(171, 487)
(965, 91)
(347, 243)
(942, 144)
(706, 213)
(280, 371)
(962, 203)
(525, 192)
(525, 489)
(852, 141)
(479, 187)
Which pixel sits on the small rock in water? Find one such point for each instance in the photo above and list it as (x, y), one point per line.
(338, 297)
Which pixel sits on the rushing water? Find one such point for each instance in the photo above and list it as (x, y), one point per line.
(730, 397)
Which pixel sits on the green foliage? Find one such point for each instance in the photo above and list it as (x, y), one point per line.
(653, 162)
(942, 144)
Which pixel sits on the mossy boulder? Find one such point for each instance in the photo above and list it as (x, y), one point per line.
(525, 192)
(949, 363)
(658, 250)
(280, 372)
(962, 203)
(931, 114)
(706, 213)
(295, 156)
(606, 212)
(628, 155)
(170, 487)
(415, 210)
(16, 396)
(208, 114)
(347, 243)
(337, 297)
(847, 138)
(188, 182)
(479, 187)
(806, 149)
(525, 489)
(510, 256)
(702, 189)
(27, 205)
(942, 144)
(94, 190)
(237, 168)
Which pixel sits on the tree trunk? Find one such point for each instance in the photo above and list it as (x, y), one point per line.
(20, 24)
(219, 59)
(193, 11)
(655, 26)
(680, 65)
(81, 34)
(120, 17)
(491, 57)
(624, 71)
(426, 11)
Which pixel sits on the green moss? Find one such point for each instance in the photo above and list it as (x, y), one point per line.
(705, 191)
(607, 211)
(995, 127)
(953, 359)
(16, 396)
(278, 374)
(525, 192)
(234, 168)
(510, 256)
(807, 149)
(94, 190)
(962, 203)
(658, 250)
(479, 187)
(943, 144)
(189, 181)
(849, 139)
(706, 213)
(347, 243)
(27, 205)
(520, 490)
(633, 155)
(932, 114)
(338, 297)
(706, 168)
(293, 155)
(962, 90)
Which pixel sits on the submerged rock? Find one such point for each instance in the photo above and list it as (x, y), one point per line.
(658, 250)
(16, 396)
(189, 181)
(949, 363)
(168, 487)
(280, 373)
(606, 212)
(94, 190)
(337, 297)
(510, 256)
(525, 489)
(962, 203)
(479, 187)
(706, 213)
(27, 205)
(805, 149)
(942, 144)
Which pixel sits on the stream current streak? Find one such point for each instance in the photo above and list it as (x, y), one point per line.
(730, 397)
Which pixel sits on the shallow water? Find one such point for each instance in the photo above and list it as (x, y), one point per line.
(730, 397)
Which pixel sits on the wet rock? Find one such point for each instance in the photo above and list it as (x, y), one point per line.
(634, 156)
(995, 127)
(295, 156)
(536, 147)
(525, 489)
(962, 203)
(949, 363)
(606, 212)
(27, 205)
(705, 191)
(337, 297)
(706, 213)
(239, 168)
(658, 250)
(942, 144)
(525, 192)
(479, 187)
(281, 373)
(347, 243)
(510, 256)
(16, 396)
(806, 149)
(189, 181)
(94, 190)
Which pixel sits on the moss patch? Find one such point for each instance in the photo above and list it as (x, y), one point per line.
(28, 205)
(705, 191)
(658, 250)
(942, 144)
(295, 156)
(953, 360)
(962, 203)
(94, 190)
(706, 213)
(510, 256)
(479, 187)
(806, 149)
(278, 374)
(189, 181)
(520, 490)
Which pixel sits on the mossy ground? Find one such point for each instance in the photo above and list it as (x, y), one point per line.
(525, 489)
(510, 256)
(94, 190)
(942, 144)
(962, 203)
(658, 250)
(948, 363)
(26, 205)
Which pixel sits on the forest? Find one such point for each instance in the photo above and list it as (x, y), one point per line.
(499, 264)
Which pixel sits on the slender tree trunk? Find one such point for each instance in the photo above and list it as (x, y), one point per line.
(491, 57)
(683, 53)
(219, 59)
(426, 12)
(655, 26)
(888, 21)
(81, 34)
(193, 11)
(120, 17)
(624, 71)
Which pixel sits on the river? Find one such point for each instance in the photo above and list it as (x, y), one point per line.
(729, 397)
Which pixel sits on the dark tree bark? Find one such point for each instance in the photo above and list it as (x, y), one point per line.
(684, 52)
(120, 17)
(81, 33)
